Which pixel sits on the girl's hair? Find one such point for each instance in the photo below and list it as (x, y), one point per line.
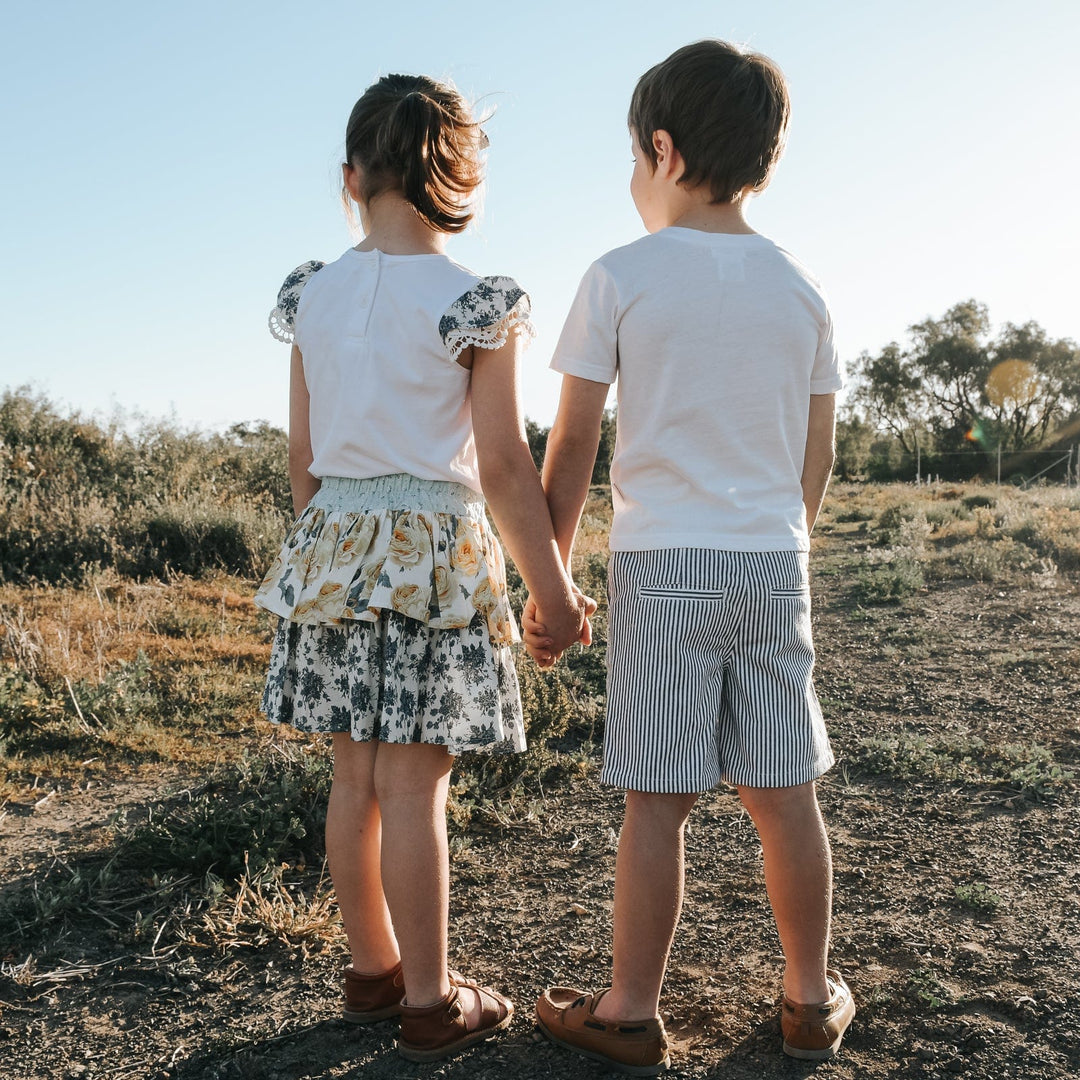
(411, 134)
(726, 111)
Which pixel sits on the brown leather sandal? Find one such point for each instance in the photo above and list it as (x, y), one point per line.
(372, 997)
(431, 1032)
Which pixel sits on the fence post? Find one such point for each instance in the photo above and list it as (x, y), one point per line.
(999, 464)
(918, 463)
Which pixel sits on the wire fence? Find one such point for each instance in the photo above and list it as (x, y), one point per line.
(1015, 467)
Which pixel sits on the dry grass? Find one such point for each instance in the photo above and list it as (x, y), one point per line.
(263, 908)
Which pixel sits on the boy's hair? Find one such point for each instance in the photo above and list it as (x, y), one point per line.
(725, 110)
(412, 134)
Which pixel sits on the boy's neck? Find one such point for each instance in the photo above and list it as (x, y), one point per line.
(714, 217)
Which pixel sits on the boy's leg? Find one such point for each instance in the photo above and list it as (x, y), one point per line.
(353, 851)
(648, 901)
(798, 878)
(411, 784)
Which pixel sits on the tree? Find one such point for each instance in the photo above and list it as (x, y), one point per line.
(954, 386)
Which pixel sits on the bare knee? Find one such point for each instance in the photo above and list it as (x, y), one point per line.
(417, 772)
(767, 803)
(670, 809)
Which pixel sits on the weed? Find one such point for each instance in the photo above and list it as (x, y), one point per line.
(260, 812)
(926, 990)
(888, 582)
(978, 897)
(1029, 769)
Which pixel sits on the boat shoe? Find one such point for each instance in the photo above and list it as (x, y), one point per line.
(637, 1047)
(372, 997)
(814, 1032)
(431, 1032)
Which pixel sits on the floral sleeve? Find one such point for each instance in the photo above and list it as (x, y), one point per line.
(283, 317)
(485, 316)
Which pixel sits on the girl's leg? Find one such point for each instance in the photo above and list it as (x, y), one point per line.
(353, 850)
(648, 901)
(411, 783)
(798, 879)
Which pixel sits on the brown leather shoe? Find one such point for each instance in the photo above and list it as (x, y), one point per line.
(814, 1032)
(431, 1032)
(372, 997)
(637, 1047)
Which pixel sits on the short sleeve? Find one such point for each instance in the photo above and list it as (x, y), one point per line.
(485, 315)
(588, 345)
(283, 317)
(826, 376)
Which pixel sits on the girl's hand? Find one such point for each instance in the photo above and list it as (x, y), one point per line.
(540, 644)
(537, 643)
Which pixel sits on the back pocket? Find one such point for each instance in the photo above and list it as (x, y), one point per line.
(679, 592)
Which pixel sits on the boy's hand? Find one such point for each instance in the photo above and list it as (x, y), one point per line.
(545, 643)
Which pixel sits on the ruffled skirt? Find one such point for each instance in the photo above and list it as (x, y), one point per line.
(395, 624)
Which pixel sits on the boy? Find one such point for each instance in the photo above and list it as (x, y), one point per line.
(723, 351)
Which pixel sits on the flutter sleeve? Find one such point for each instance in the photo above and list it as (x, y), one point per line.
(485, 316)
(283, 317)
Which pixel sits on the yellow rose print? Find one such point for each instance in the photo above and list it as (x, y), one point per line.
(442, 586)
(484, 599)
(465, 557)
(409, 600)
(408, 542)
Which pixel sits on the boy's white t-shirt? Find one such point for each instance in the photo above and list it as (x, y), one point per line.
(717, 341)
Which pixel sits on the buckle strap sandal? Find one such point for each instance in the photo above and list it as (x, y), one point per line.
(814, 1032)
(431, 1032)
(637, 1047)
(372, 997)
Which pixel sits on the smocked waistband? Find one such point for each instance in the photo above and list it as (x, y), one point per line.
(397, 491)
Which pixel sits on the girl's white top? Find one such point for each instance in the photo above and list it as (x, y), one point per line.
(717, 342)
(380, 337)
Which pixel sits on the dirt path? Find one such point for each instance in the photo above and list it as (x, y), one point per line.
(957, 908)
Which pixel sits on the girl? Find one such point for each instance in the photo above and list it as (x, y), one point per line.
(395, 626)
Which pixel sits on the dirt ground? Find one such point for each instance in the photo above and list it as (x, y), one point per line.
(957, 905)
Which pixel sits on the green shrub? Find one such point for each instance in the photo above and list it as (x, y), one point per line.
(78, 494)
(260, 812)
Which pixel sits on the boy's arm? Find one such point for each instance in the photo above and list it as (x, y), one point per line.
(568, 465)
(571, 453)
(820, 454)
(304, 485)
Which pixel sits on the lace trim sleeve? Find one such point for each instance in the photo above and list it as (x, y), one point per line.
(485, 316)
(283, 317)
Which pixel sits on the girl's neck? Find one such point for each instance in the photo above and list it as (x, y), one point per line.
(392, 226)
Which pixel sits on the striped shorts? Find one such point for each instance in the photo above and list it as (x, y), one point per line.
(710, 671)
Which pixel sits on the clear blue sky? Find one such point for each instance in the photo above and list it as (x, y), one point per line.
(166, 165)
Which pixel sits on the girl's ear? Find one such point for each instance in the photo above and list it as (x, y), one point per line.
(350, 179)
(669, 162)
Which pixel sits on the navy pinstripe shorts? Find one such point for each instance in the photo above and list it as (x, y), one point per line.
(710, 671)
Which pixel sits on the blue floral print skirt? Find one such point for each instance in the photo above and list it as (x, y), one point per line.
(395, 672)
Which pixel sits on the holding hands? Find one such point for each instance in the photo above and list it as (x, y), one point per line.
(548, 634)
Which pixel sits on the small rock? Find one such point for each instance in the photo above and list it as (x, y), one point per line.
(956, 1065)
(926, 1053)
(578, 909)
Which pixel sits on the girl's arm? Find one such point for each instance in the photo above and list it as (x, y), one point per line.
(820, 454)
(304, 485)
(514, 493)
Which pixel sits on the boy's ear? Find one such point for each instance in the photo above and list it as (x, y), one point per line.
(669, 162)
